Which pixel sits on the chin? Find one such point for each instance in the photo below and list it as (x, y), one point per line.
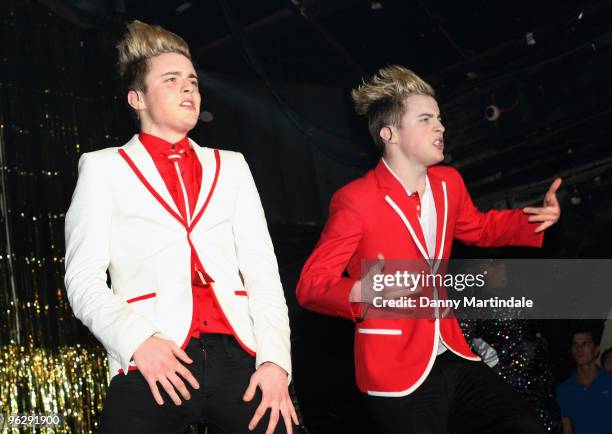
(436, 160)
(190, 125)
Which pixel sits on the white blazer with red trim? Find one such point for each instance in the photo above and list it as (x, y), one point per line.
(115, 223)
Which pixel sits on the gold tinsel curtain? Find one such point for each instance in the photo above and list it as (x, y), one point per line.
(57, 100)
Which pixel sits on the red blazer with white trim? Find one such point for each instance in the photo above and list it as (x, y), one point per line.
(372, 214)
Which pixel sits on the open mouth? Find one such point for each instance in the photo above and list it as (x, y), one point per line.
(188, 105)
(439, 144)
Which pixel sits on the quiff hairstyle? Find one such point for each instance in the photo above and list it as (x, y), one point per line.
(381, 98)
(141, 42)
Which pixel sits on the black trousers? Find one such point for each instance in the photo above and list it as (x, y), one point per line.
(223, 370)
(458, 396)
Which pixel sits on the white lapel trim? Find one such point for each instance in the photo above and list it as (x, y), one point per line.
(402, 216)
(435, 268)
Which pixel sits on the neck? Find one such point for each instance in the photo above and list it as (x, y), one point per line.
(411, 175)
(170, 136)
(585, 374)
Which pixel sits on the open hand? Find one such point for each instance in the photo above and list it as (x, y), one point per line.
(549, 212)
(158, 361)
(272, 380)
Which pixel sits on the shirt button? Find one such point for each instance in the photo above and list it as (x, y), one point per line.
(205, 323)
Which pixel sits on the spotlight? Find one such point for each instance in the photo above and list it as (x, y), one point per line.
(206, 116)
(492, 113)
(530, 38)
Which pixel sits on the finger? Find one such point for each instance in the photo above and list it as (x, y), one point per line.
(179, 386)
(187, 375)
(550, 198)
(554, 186)
(251, 389)
(376, 267)
(293, 413)
(169, 390)
(273, 419)
(543, 227)
(533, 210)
(182, 355)
(380, 262)
(543, 218)
(155, 391)
(288, 424)
(261, 410)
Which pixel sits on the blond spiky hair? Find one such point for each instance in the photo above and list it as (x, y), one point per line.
(381, 98)
(141, 42)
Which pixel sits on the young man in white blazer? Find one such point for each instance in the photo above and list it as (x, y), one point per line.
(196, 304)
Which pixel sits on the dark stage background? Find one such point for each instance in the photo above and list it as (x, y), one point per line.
(275, 78)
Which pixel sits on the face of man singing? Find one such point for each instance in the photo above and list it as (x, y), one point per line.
(420, 137)
(171, 104)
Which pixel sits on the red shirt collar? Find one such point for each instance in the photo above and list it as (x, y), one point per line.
(157, 146)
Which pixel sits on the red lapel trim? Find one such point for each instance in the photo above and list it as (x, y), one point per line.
(210, 192)
(198, 262)
(150, 188)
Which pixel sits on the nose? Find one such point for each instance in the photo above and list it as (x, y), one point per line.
(439, 126)
(188, 86)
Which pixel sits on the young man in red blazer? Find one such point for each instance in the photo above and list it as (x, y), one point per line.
(418, 374)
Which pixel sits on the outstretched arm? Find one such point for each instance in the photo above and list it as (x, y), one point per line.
(507, 227)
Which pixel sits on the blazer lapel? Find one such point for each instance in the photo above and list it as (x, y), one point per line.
(141, 158)
(209, 167)
(396, 196)
(438, 189)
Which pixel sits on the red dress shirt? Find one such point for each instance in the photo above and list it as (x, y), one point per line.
(208, 317)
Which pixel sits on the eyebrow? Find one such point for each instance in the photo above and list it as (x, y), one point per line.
(427, 115)
(192, 75)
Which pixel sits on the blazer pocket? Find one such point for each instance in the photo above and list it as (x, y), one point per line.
(388, 332)
(142, 297)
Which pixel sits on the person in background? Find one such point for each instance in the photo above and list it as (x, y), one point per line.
(606, 360)
(585, 398)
